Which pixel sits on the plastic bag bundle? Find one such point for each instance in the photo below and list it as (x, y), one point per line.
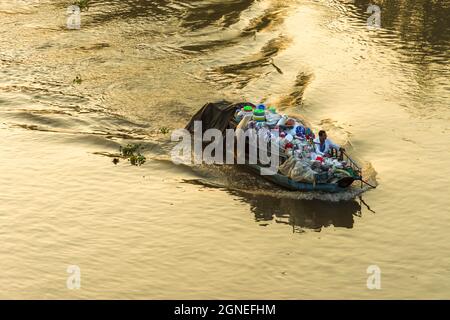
(302, 172)
(293, 140)
(286, 167)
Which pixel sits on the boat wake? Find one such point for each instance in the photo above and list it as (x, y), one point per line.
(237, 178)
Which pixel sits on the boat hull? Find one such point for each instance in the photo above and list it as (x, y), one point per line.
(290, 184)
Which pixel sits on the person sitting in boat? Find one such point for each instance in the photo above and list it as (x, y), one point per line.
(324, 146)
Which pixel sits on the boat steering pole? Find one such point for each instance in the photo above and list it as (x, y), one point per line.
(353, 163)
(367, 183)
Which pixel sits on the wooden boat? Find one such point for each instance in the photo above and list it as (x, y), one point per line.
(221, 116)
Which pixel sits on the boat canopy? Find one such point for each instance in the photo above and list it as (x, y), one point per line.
(216, 115)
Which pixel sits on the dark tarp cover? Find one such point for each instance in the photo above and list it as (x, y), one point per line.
(215, 115)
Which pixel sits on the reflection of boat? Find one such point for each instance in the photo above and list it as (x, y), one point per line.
(299, 213)
(221, 116)
(302, 214)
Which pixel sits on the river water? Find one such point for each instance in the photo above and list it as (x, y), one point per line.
(196, 232)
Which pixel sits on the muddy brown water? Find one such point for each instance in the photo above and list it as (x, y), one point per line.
(167, 231)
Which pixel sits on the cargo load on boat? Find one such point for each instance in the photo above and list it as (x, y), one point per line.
(303, 165)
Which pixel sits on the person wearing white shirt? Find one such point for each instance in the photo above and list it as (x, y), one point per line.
(323, 145)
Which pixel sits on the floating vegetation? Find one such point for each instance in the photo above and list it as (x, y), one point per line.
(129, 149)
(164, 130)
(137, 160)
(131, 152)
(77, 80)
(82, 4)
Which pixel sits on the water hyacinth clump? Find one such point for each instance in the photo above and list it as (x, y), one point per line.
(82, 4)
(164, 130)
(77, 80)
(132, 153)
